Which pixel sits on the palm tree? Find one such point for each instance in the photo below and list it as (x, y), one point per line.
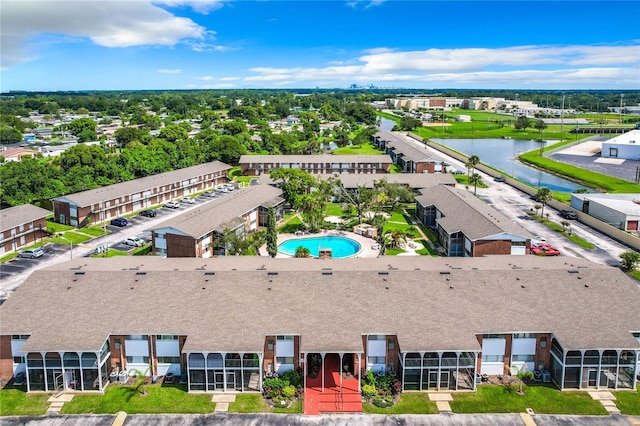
(302, 251)
(543, 196)
(471, 163)
(475, 179)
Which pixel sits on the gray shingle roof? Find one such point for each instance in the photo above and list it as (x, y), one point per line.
(430, 303)
(380, 158)
(401, 145)
(413, 180)
(465, 212)
(98, 195)
(16, 216)
(224, 212)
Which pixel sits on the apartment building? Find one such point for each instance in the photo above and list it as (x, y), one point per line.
(255, 165)
(198, 232)
(468, 227)
(21, 226)
(406, 155)
(102, 204)
(225, 324)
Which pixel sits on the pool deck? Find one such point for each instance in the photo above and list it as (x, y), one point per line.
(365, 243)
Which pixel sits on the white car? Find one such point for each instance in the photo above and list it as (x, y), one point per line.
(188, 200)
(134, 241)
(172, 204)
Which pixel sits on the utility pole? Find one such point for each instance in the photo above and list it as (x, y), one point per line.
(562, 115)
(620, 112)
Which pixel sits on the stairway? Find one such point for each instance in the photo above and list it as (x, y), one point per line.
(333, 399)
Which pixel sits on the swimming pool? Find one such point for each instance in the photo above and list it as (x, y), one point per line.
(341, 246)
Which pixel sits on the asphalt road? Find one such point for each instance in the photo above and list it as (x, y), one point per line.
(14, 272)
(333, 420)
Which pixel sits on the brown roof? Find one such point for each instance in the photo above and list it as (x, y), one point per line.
(223, 212)
(413, 180)
(465, 212)
(380, 158)
(98, 195)
(430, 303)
(19, 215)
(411, 152)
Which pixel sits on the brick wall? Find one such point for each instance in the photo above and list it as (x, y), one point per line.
(6, 359)
(180, 246)
(484, 247)
(118, 355)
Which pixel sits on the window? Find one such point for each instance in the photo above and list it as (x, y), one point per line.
(492, 358)
(522, 358)
(524, 335)
(137, 337)
(284, 360)
(19, 337)
(168, 360)
(285, 337)
(19, 360)
(376, 337)
(138, 359)
(613, 152)
(166, 337)
(376, 360)
(117, 344)
(492, 336)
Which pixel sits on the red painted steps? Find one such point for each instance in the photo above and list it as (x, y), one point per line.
(331, 402)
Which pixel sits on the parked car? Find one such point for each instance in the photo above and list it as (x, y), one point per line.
(134, 241)
(172, 204)
(148, 213)
(229, 187)
(31, 253)
(544, 249)
(568, 214)
(119, 221)
(187, 200)
(221, 190)
(209, 194)
(499, 178)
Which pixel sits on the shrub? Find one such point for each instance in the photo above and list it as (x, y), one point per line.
(370, 378)
(293, 377)
(382, 402)
(368, 391)
(288, 391)
(274, 384)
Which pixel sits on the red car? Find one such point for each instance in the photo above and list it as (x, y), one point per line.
(544, 249)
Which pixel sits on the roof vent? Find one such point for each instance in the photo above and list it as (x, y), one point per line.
(209, 273)
(79, 273)
(327, 273)
(141, 273)
(445, 273)
(272, 273)
(383, 273)
(573, 271)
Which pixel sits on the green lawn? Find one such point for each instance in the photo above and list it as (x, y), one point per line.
(73, 236)
(542, 399)
(291, 226)
(427, 250)
(110, 253)
(333, 209)
(628, 402)
(159, 399)
(254, 403)
(464, 180)
(410, 403)
(94, 231)
(53, 227)
(15, 402)
(393, 251)
(364, 149)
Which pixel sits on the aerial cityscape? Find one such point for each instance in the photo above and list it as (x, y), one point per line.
(346, 212)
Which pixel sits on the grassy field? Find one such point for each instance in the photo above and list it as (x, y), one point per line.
(15, 402)
(542, 399)
(94, 231)
(628, 402)
(254, 403)
(73, 236)
(159, 399)
(410, 403)
(110, 253)
(365, 149)
(53, 227)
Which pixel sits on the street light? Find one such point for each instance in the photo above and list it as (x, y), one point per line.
(70, 244)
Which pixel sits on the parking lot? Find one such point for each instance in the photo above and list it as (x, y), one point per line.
(13, 272)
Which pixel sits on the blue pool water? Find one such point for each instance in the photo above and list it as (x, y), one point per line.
(341, 247)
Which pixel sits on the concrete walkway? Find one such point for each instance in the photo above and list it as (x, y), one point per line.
(607, 400)
(56, 403)
(222, 401)
(442, 401)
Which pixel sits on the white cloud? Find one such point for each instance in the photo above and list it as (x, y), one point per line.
(200, 6)
(108, 23)
(366, 4)
(206, 78)
(230, 78)
(518, 66)
(166, 71)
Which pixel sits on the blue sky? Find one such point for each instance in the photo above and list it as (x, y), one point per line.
(185, 44)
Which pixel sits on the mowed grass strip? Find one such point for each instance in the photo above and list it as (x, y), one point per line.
(628, 402)
(542, 399)
(410, 403)
(16, 402)
(158, 399)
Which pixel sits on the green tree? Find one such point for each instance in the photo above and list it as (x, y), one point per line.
(471, 163)
(409, 123)
(540, 126)
(543, 196)
(302, 252)
(84, 129)
(522, 123)
(294, 182)
(125, 135)
(272, 233)
(629, 260)
(475, 180)
(361, 198)
(9, 135)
